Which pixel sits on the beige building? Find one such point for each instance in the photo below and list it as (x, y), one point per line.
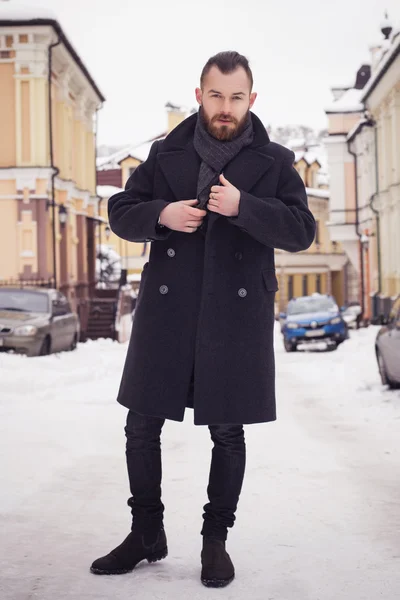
(364, 163)
(48, 202)
(323, 267)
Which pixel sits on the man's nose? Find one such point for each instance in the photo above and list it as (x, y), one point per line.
(226, 107)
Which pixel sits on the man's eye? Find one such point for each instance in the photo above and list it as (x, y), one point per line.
(216, 96)
(237, 98)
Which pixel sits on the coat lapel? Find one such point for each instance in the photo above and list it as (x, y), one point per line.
(247, 168)
(181, 170)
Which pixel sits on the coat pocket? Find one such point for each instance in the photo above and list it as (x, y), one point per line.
(270, 280)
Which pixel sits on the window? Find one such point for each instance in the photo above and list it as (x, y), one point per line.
(305, 285)
(131, 170)
(318, 284)
(290, 287)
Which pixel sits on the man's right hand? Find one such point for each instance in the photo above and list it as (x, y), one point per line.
(182, 216)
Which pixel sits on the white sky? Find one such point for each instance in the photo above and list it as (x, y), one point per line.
(144, 54)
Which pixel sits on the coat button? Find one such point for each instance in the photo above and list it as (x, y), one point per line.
(242, 293)
(238, 256)
(164, 289)
(171, 252)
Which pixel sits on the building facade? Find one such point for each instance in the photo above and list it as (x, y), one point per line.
(364, 162)
(48, 200)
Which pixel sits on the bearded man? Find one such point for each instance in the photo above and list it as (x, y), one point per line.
(215, 197)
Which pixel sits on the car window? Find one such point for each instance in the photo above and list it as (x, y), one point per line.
(309, 304)
(23, 301)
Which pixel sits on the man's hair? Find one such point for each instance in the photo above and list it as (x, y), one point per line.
(227, 62)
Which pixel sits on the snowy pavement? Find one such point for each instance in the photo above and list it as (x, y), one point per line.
(319, 515)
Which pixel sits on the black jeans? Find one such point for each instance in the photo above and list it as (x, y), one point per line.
(143, 455)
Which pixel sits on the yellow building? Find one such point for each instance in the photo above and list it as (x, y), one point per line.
(48, 201)
(321, 268)
(364, 162)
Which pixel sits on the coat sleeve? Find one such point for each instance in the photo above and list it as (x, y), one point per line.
(133, 214)
(284, 222)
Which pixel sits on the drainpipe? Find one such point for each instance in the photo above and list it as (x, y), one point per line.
(357, 224)
(55, 170)
(375, 211)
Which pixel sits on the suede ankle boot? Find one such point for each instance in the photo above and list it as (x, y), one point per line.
(217, 568)
(135, 548)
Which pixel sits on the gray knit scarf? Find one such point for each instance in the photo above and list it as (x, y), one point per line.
(215, 155)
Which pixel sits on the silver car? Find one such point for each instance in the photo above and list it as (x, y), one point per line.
(36, 321)
(387, 347)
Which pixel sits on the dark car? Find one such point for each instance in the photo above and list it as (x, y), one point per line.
(36, 321)
(310, 320)
(387, 347)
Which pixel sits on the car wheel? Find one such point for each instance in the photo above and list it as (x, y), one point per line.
(45, 347)
(332, 347)
(383, 373)
(289, 347)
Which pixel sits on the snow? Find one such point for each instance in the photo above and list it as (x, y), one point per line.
(318, 518)
(106, 191)
(391, 48)
(138, 151)
(318, 193)
(349, 102)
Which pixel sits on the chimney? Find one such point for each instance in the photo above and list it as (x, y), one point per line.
(176, 114)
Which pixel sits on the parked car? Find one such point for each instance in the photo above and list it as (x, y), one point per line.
(352, 314)
(387, 347)
(36, 321)
(312, 319)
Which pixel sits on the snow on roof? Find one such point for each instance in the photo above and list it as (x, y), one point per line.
(296, 143)
(138, 151)
(388, 54)
(316, 193)
(25, 13)
(349, 102)
(106, 191)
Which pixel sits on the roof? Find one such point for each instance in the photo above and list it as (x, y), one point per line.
(387, 58)
(138, 151)
(106, 191)
(349, 102)
(30, 16)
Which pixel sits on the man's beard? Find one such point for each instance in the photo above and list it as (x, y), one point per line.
(224, 133)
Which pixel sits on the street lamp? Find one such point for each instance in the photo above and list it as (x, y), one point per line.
(62, 215)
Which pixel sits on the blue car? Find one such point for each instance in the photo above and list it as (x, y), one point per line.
(312, 319)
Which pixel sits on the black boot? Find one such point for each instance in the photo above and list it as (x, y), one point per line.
(135, 548)
(217, 568)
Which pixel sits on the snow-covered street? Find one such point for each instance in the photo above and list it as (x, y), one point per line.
(318, 518)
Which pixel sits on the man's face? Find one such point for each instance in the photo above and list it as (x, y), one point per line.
(225, 101)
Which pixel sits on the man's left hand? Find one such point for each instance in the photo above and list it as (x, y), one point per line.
(224, 199)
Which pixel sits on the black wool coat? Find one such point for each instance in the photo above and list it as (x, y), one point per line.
(206, 303)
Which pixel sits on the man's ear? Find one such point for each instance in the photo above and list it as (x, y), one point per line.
(199, 96)
(253, 97)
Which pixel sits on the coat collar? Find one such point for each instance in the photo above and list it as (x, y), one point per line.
(180, 162)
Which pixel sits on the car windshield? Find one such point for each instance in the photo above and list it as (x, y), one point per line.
(311, 305)
(24, 301)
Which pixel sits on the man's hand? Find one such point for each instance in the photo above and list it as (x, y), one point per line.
(182, 216)
(224, 198)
